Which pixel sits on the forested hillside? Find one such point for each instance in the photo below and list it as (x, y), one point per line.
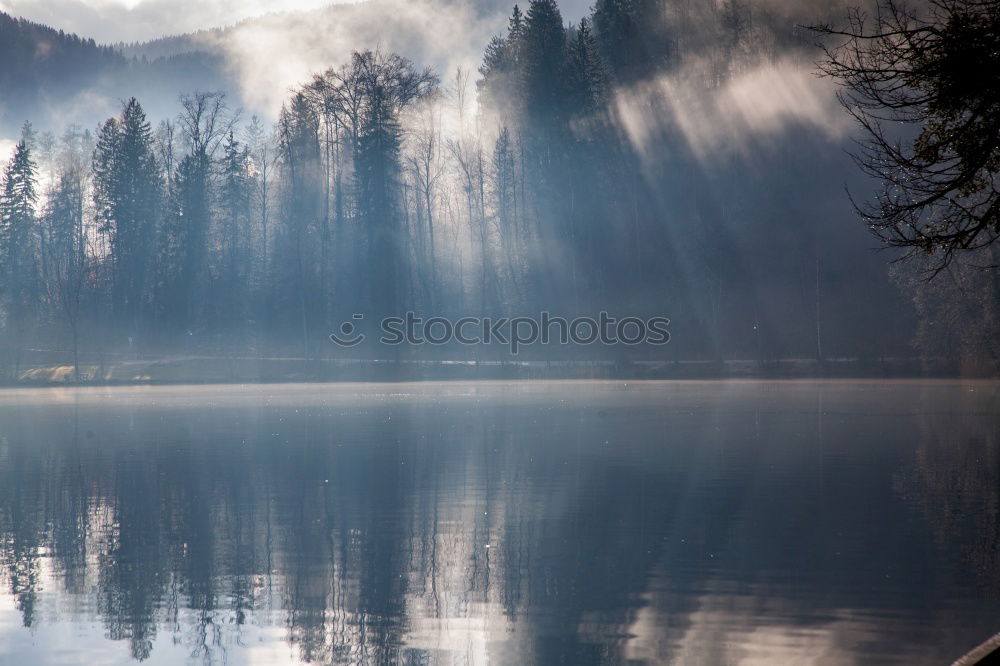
(37, 59)
(55, 78)
(657, 158)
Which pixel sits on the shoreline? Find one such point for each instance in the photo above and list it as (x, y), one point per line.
(220, 370)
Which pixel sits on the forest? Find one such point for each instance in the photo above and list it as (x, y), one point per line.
(569, 174)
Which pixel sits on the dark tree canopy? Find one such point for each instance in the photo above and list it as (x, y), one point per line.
(935, 69)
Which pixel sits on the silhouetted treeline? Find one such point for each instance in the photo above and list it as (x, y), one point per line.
(569, 187)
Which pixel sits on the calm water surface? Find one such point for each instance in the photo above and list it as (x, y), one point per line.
(505, 523)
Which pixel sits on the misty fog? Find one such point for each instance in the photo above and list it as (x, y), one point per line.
(694, 170)
(465, 332)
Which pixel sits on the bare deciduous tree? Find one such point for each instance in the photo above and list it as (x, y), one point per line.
(933, 70)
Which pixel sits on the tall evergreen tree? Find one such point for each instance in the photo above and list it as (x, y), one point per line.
(64, 250)
(544, 55)
(19, 248)
(588, 79)
(502, 73)
(183, 243)
(389, 84)
(504, 186)
(127, 198)
(233, 256)
(633, 37)
(295, 244)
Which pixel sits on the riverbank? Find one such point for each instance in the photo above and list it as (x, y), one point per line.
(205, 369)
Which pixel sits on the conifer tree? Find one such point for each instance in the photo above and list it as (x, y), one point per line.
(233, 242)
(127, 197)
(588, 79)
(64, 250)
(19, 248)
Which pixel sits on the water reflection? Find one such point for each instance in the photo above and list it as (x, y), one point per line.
(577, 523)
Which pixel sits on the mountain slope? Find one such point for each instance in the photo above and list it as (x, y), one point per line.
(53, 78)
(39, 61)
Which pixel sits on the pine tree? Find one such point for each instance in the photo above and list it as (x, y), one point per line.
(127, 193)
(64, 250)
(19, 247)
(234, 255)
(20, 197)
(633, 38)
(616, 35)
(588, 79)
(182, 233)
(505, 194)
(294, 266)
(544, 56)
(389, 84)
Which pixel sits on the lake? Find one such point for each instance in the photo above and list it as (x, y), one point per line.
(715, 522)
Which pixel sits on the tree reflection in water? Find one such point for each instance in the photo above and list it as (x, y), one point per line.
(549, 523)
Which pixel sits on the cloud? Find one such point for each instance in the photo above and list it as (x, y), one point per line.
(6, 151)
(749, 110)
(273, 54)
(112, 21)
